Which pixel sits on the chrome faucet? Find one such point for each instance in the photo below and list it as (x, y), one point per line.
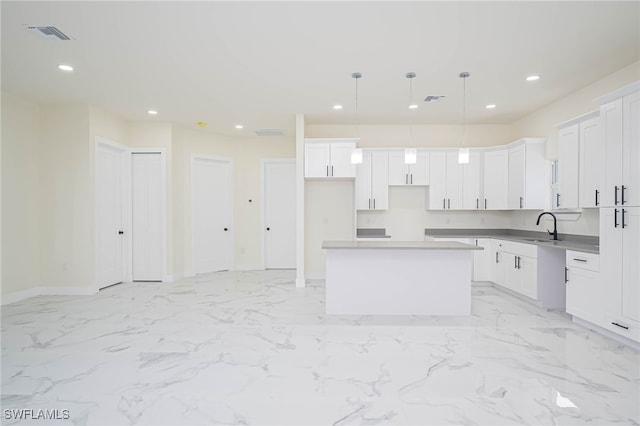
(555, 227)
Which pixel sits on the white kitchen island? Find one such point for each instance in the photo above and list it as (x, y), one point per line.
(398, 278)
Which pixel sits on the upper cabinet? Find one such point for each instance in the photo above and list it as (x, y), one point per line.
(591, 147)
(579, 157)
(620, 127)
(372, 181)
(568, 162)
(454, 186)
(495, 179)
(329, 158)
(527, 174)
(401, 173)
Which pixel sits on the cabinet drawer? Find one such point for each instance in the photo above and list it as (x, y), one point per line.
(623, 327)
(522, 249)
(589, 261)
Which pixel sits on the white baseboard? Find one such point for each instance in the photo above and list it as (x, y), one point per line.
(241, 268)
(316, 276)
(167, 279)
(300, 283)
(47, 291)
(481, 284)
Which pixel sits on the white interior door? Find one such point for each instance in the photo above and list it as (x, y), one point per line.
(147, 207)
(211, 201)
(280, 214)
(109, 169)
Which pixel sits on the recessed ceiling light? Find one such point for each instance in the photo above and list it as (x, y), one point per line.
(64, 67)
(152, 112)
(239, 126)
(533, 78)
(413, 106)
(490, 106)
(337, 107)
(201, 124)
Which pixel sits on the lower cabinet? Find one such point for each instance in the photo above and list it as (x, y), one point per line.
(532, 271)
(484, 260)
(584, 288)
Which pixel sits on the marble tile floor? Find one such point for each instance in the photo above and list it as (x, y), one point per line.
(250, 348)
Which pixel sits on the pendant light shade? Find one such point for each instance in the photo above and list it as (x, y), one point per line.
(463, 152)
(410, 156)
(356, 156)
(411, 76)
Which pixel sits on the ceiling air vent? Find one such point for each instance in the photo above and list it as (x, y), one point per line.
(270, 132)
(49, 32)
(432, 98)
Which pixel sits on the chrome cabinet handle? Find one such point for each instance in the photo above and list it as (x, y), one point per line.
(566, 275)
(622, 188)
(597, 202)
(580, 260)
(615, 218)
(615, 198)
(521, 201)
(623, 224)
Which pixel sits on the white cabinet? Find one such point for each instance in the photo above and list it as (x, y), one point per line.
(495, 179)
(590, 162)
(329, 158)
(484, 260)
(517, 267)
(527, 176)
(408, 174)
(471, 180)
(372, 181)
(620, 126)
(453, 186)
(568, 162)
(619, 254)
(584, 286)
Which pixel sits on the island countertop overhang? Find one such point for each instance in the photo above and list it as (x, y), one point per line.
(399, 245)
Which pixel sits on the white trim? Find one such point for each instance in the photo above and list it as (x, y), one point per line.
(195, 156)
(241, 268)
(47, 291)
(618, 93)
(300, 182)
(315, 276)
(100, 141)
(129, 209)
(263, 212)
(579, 119)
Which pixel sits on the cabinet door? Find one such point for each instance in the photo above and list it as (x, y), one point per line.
(631, 149)
(568, 160)
(611, 123)
(503, 264)
(590, 162)
(454, 182)
(471, 182)
(398, 173)
(528, 271)
(316, 160)
(340, 165)
(496, 179)
(516, 177)
(363, 183)
(514, 277)
(438, 181)
(419, 172)
(484, 260)
(611, 258)
(630, 262)
(583, 294)
(380, 180)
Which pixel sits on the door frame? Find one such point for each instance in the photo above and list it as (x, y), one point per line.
(263, 210)
(128, 208)
(122, 149)
(229, 161)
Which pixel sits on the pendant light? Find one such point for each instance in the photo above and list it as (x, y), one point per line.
(356, 154)
(410, 154)
(463, 152)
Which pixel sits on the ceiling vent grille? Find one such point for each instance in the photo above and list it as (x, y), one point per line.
(49, 32)
(270, 132)
(433, 98)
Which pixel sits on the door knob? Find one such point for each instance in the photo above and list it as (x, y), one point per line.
(120, 232)
(226, 229)
(268, 229)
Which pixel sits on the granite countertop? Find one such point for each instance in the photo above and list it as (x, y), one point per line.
(582, 243)
(372, 233)
(400, 245)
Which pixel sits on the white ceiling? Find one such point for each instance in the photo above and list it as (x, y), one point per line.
(259, 63)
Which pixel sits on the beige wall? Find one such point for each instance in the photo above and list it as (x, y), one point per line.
(246, 154)
(20, 195)
(419, 136)
(66, 202)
